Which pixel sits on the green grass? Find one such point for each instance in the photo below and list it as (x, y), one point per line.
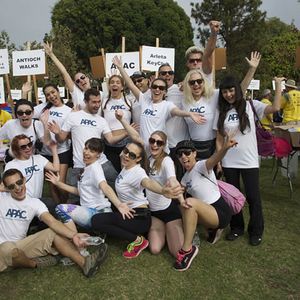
(227, 270)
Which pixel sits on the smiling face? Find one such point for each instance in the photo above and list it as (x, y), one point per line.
(196, 84)
(82, 81)
(156, 143)
(130, 156)
(24, 114)
(158, 90)
(89, 155)
(187, 158)
(52, 95)
(93, 105)
(115, 86)
(141, 83)
(16, 186)
(166, 73)
(194, 61)
(229, 95)
(25, 149)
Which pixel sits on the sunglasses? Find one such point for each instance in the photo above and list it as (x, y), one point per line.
(159, 143)
(186, 152)
(164, 73)
(131, 155)
(23, 147)
(26, 112)
(195, 60)
(138, 80)
(198, 81)
(13, 185)
(155, 86)
(82, 77)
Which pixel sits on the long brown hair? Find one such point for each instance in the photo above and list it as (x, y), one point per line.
(159, 159)
(144, 162)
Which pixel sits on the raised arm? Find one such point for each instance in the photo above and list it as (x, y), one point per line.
(277, 98)
(253, 64)
(60, 135)
(67, 78)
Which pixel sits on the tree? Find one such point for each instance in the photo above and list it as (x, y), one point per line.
(96, 24)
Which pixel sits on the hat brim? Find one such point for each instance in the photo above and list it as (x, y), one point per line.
(292, 86)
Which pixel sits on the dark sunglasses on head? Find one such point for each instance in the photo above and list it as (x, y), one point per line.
(195, 60)
(155, 86)
(23, 147)
(13, 185)
(26, 112)
(159, 143)
(186, 152)
(131, 155)
(82, 77)
(138, 80)
(198, 81)
(164, 73)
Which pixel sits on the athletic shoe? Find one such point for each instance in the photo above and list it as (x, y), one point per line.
(214, 235)
(93, 261)
(45, 261)
(184, 259)
(136, 247)
(232, 236)
(255, 240)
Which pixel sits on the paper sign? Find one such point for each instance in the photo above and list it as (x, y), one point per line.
(153, 57)
(97, 66)
(30, 62)
(2, 95)
(130, 60)
(220, 58)
(282, 85)
(16, 94)
(254, 84)
(42, 97)
(4, 65)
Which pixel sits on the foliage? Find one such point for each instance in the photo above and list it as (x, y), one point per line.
(96, 24)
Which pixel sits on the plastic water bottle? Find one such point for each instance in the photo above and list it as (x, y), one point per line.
(196, 239)
(92, 240)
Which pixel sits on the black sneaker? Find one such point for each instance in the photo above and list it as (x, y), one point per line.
(184, 259)
(255, 240)
(214, 235)
(232, 236)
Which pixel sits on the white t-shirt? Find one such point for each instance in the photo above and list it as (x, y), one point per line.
(88, 186)
(207, 108)
(84, 126)
(244, 155)
(129, 188)
(177, 129)
(33, 170)
(200, 187)
(167, 170)
(12, 128)
(57, 114)
(15, 216)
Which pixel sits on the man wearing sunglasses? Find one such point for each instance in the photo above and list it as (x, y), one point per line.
(18, 250)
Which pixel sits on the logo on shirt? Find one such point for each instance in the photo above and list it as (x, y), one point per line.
(149, 112)
(31, 169)
(88, 122)
(117, 107)
(189, 184)
(55, 114)
(119, 177)
(233, 117)
(200, 109)
(16, 213)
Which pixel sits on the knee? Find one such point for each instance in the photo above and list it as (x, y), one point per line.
(154, 249)
(7, 248)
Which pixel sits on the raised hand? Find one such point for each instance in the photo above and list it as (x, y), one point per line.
(254, 59)
(117, 61)
(54, 127)
(214, 26)
(52, 177)
(48, 48)
(26, 87)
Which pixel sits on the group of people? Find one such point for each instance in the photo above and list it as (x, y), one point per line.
(143, 164)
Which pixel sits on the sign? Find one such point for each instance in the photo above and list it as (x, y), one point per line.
(42, 97)
(4, 65)
(31, 62)
(254, 84)
(16, 94)
(153, 57)
(97, 66)
(220, 59)
(130, 60)
(2, 94)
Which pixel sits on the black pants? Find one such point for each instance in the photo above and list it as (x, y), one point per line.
(250, 179)
(179, 170)
(113, 155)
(114, 225)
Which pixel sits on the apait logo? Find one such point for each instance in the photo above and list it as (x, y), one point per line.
(119, 177)
(149, 112)
(16, 214)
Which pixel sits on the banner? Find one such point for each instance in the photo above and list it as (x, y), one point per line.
(2, 94)
(31, 62)
(4, 65)
(254, 84)
(153, 57)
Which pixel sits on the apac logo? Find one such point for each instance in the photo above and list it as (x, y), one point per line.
(189, 184)
(56, 114)
(88, 122)
(16, 213)
(200, 109)
(149, 112)
(119, 177)
(117, 107)
(233, 117)
(31, 169)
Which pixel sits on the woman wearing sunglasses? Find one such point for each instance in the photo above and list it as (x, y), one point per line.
(130, 184)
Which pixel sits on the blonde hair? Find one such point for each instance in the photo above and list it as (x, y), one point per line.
(187, 91)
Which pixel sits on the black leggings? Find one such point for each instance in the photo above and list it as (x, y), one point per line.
(250, 179)
(114, 225)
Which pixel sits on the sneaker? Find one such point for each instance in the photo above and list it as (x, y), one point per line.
(214, 235)
(255, 240)
(136, 247)
(66, 261)
(196, 239)
(232, 236)
(184, 259)
(93, 261)
(45, 261)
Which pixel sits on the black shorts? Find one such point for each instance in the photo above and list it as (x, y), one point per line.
(223, 211)
(169, 214)
(65, 158)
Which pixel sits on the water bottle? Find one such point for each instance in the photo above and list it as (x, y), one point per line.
(92, 240)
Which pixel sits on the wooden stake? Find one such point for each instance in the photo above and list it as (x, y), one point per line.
(156, 45)
(35, 90)
(9, 98)
(29, 97)
(123, 44)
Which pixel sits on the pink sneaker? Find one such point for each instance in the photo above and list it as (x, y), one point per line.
(136, 247)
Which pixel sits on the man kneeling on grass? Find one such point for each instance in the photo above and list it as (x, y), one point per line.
(16, 250)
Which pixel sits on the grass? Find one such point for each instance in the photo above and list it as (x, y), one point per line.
(227, 270)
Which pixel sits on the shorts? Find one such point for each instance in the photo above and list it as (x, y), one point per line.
(169, 214)
(65, 158)
(223, 211)
(35, 245)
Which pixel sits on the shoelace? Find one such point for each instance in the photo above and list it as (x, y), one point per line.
(131, 246)
(179, 257)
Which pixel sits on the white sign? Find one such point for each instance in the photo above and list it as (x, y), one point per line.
(16, 94)
(130, 60)
(30, 62)
(282, 85)
(42, 97)
(4, 65)
(254, 84)
(2, 94)
(153, 57)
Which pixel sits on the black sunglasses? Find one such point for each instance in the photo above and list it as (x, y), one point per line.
(26, 112)
(82, 77)
(164, 73)
(138, 80)
(186, 152)
(159, 143)
(195, 60)
(131, 155)
(23, 147)
(198, 81)
(155, 86)
(13, 185)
